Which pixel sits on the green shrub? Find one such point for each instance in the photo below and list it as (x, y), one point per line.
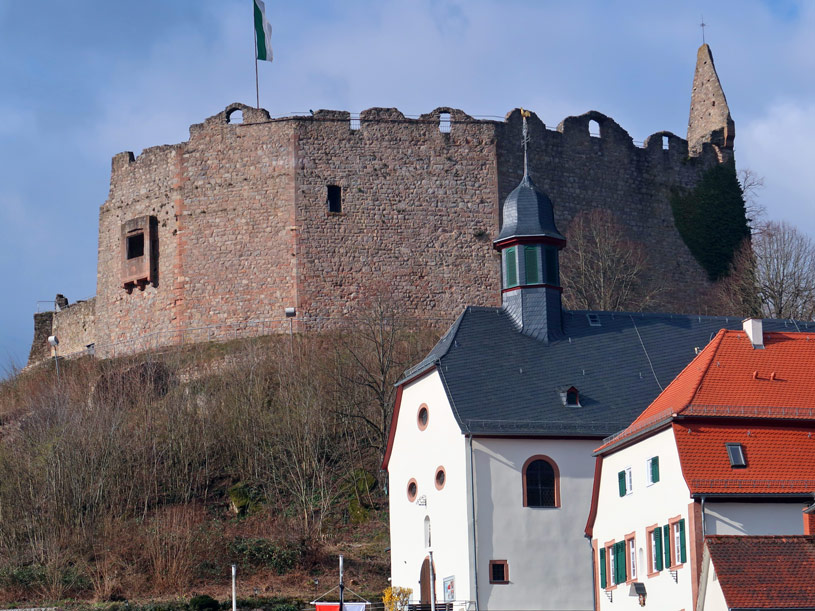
(202, 602)
(265, 553)
(711, 219)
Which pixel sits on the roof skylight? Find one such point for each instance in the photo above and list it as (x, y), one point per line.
(736, 455)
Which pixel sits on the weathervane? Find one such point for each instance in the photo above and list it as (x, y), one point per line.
(525, 114)
(702, 25)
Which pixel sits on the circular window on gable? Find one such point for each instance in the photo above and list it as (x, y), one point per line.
(441, 477)
(422, 417)
(412, 490)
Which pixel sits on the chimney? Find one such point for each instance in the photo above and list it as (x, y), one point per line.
(754, 329)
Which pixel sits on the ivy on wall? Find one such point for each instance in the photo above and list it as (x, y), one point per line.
(711, 219)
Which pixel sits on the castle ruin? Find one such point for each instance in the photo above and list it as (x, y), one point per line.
(322, 212)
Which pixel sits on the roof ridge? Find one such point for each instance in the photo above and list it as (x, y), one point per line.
(713, 346)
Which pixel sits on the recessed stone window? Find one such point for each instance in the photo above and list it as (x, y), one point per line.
(422, 417)
(139, 253)
(334, 198)
(441, 478)
(412, 490)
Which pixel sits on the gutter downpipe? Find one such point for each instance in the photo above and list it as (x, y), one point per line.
(704, 531)
(593, 574)
(475, 535)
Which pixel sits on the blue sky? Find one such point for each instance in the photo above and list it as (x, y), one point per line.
(83, 80)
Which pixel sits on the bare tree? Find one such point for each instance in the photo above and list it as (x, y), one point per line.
(785, 271)
(751, 185)
(737, 293)
(602, 269)
(370, 355)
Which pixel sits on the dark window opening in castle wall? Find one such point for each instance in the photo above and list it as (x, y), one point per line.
(444, 122)
(135, 245)
(334, 198)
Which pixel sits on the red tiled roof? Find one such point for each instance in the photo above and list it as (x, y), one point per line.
(760, 572)
(730, 378)
(780, 457)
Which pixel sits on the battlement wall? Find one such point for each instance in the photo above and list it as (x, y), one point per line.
(323, 212)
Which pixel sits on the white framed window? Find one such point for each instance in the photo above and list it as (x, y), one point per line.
(677, 546)
(632, 555)
(624, 481)
(652, 470)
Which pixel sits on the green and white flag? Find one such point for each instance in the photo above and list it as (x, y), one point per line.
(263, 33)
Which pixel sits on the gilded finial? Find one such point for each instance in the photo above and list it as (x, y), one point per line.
(525, 114)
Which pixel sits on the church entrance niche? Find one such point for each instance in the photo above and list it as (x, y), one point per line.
(425, 587)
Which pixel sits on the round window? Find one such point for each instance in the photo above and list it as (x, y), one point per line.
(441, 477)
(422, 417)
(412, 490)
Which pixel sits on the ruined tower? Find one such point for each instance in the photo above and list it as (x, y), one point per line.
(710, 119)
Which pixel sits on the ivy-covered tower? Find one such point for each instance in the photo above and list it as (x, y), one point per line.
(530, 244)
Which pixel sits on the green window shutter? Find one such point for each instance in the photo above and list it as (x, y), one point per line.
(655, 469)
(666, 547)
(620, 561)
(621, 482)
(512, 268)
(531, 264)
(683, 555)
(658, 548)
(603, 567)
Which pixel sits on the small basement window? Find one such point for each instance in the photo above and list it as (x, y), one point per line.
(736, 455)
(499, 571)
(334, 198)
(135, 246)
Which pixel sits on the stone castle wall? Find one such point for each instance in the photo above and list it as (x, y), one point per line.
(75, 326)
(242, 228)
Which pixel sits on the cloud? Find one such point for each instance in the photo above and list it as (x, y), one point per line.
(778, 146)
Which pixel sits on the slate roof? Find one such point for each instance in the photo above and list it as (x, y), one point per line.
(764, 572)
(502, 382)
(528, 212)
(780, 457)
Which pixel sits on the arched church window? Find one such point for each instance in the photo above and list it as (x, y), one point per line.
(541, 482)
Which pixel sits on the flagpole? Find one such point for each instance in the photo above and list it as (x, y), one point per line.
(257, 89)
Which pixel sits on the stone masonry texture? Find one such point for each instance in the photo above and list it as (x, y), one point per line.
(242, 228)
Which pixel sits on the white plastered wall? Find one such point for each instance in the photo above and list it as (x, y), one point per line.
(645, 506)
(548, 556)
(754, 518)
(711, 596)
(417, 454)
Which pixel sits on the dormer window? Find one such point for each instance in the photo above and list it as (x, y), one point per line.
(736, 455)
(570, 396)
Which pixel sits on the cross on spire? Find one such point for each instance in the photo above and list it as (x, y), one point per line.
(703, 25)
(525, 138)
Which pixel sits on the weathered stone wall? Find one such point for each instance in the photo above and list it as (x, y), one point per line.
(419, 208)
(223, 203)
(243, 229)
(75, 327)
(40, 350)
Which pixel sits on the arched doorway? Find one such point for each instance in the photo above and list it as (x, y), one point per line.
(425, 583)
